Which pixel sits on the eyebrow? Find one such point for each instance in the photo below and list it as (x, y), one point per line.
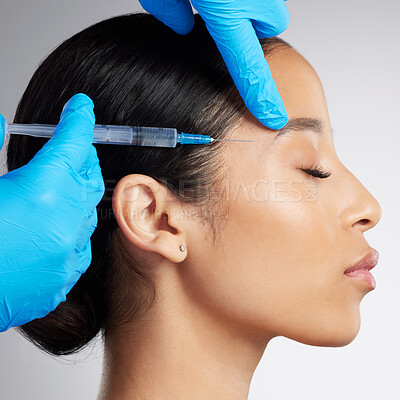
(300, 124)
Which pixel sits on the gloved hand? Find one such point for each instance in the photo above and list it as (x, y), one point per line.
(47, 216)
(235, 26)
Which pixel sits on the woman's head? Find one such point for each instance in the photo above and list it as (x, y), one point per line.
(266, 244)
(295, 222)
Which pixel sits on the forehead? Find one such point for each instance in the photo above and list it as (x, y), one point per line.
(298, 84)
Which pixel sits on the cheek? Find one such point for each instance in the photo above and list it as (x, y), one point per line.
(276, 267)
(278, 249)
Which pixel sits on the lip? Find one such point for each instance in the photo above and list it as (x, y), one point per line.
(360, 270)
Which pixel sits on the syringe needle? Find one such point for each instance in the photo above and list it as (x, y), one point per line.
(231, 140)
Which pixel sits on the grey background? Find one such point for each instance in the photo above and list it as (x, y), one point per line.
(354, 46)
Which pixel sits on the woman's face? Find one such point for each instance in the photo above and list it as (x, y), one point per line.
(278, 265)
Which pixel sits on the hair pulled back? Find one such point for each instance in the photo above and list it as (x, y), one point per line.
(139, 72)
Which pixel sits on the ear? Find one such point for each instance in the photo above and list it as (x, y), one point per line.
(150, 216)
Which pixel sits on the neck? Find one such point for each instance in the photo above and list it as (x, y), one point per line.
(178, 351)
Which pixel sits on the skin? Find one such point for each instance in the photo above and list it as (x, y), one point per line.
(277, 268)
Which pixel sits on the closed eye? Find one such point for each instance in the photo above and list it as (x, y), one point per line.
(317, 172)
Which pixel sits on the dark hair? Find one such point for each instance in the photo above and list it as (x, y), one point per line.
(137, 72)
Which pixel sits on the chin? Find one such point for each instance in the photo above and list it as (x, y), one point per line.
(332, 333)
(340, 340)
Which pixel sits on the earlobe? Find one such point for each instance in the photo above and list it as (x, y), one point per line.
(147, 214)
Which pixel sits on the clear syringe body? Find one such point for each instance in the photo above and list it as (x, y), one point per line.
(107, 134)
(120, 134)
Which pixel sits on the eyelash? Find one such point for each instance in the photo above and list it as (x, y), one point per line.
(317, 172)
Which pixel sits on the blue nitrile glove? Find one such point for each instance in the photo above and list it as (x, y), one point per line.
(235, 26)
(47, 216)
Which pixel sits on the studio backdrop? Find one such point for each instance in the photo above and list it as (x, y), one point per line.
(354, 47)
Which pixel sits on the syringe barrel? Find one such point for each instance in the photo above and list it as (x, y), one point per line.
(107, 134)
(136, 135)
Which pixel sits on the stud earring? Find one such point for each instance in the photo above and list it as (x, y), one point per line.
(182, 247)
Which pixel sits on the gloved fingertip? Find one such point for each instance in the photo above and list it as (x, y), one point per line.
(2, 133)
(79, 102)
(184, 27)
(70, 145)
(274, 122)
(272, 112)
(177, 15)
(276, 118)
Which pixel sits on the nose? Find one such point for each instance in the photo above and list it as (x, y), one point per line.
(361, 210)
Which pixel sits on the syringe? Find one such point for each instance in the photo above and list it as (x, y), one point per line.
(118, 134)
